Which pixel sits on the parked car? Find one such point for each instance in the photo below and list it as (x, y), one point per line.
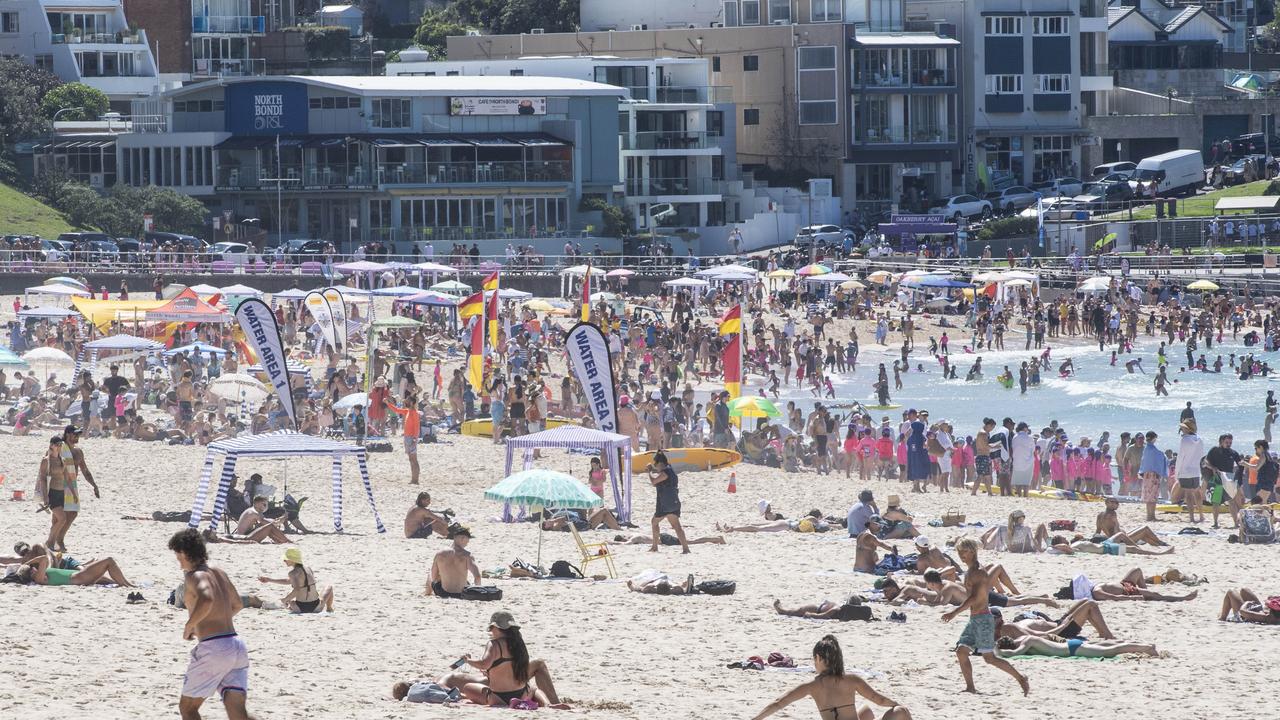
(962, 206)
(131, 250)
(1104, 197)
(1056, 209)
(184, 243)
(1107, 168)
(1180, 172)
(233, 251)
(299, 250)
(1248, 169)
(1011, 199)
(1060, 187)
(1253, 144)
(819, 234)
(102, 252)
(54, 251)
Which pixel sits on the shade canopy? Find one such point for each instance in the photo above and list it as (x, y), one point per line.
(686, 282)
(581, 270)
(59, 290)
(241, 291)
(398, 291)
(753, 406)
(362, 266)
(193, 347)
(718, 270)
(1207, 285)
(122, 342)
(47, 313)
(290, 294)
(430, 267)
(615, 449)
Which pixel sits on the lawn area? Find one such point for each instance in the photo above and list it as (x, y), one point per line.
(24, 215)
(1200, 205)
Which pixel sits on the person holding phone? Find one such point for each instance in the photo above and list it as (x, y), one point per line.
(667, 484)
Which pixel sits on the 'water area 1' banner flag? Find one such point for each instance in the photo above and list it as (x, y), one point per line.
(589, 357)
(322, 313)
(263, 335)
(339, 317)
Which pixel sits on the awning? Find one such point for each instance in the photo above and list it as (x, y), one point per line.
(396, 142)
(541, 141)
(327, 142)
(73, 145)
(494, 142)
(244, 143)
(904, 40)
(442, 141)
(1249, 202)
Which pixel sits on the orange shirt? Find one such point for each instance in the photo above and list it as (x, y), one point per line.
(411, 423)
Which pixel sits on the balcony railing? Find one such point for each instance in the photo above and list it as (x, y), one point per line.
(236, 67)
(695, 94)
(670, 140)
(120, 38)
(933, 77)
(229, 24)
(674, 186)
(311, 176)
(904, 136)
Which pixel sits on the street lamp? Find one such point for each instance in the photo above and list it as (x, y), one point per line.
(65, 109)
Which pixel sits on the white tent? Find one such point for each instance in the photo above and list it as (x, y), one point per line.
(290, 294)
(581, 270)
(116, 344)
(686, 282)
(717, 270)
(575, 436)
(58, 289)
(362, 266)
(280, 444)
(506, 293)
(241, 291)
(398, 291)
(205, 289)
(47, 312)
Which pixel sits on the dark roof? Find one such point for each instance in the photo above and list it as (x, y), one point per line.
(1190, 12)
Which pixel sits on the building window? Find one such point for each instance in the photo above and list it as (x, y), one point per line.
(517, 73)
(779, 11)
(1004, 25)
(817, 83)
(750, 116)
(1053, 83)
(750, 12)
(391, 112)
(750, 63)
(1004, 84)
(44, 62)
(715, 123)
(1051, 25)
(824, 11)
(9, 22)
(715, 63)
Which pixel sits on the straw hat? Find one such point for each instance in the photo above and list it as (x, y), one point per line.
(894, 501)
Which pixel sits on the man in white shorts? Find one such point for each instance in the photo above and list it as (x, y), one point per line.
(219, 662)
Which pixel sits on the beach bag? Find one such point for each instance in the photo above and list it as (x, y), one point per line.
(717, 587)
(481, 592)
(1256, 527)
(952, 518)
(1062, 525)
(562, 569)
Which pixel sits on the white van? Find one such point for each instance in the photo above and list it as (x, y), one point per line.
(1180, 172)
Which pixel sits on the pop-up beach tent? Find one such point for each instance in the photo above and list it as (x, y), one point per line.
(279, 444)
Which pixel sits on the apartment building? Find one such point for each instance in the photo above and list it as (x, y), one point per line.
(1157, 47)
(88, 41)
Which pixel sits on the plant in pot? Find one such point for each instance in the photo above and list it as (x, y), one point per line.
(67, 28)
(76, 34)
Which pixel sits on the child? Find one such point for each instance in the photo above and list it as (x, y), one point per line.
(866, 454)
(436, 380)
(884, 451)
(1104, 474)
(595, 477)
(773, 383)
(1058, 465)
(902, 456)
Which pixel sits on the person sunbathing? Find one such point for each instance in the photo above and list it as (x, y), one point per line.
(1133, 586)
(660, 584)
(1075, 647)
(1244, 605)
(666, 539)
(450, 567)
(1058, 544)
(835, 692)
(23, 552)
(305, 596)
(506, 672)
(560, 520)
(825, 610)
(43, 570)
(1081, 613)
(929, 557)
(1016, 537)
(421, 522)
(812, 522)
(937, 591)
(1108, 524)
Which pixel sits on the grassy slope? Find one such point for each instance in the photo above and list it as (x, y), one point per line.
(24, 215)
(1201, 205)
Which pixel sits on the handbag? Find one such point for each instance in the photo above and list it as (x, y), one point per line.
(952, 518)
(481, 592)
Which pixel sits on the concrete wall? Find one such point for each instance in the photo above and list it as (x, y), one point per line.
(1188, 83)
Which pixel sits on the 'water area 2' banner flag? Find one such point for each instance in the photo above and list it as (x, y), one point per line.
(339, 317)
(263, 335)
(589, 357)
(322, 313)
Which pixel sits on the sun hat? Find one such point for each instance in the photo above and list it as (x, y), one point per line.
(503, 620)
(293, 555)
(763, 506)
(893, 501)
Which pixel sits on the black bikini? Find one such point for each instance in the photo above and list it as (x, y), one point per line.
(509, 695)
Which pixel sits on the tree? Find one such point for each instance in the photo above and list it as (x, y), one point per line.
(119, 212)
(494, 17)
(21, 88)
(91, 101)
(170, 210)
(436, 26)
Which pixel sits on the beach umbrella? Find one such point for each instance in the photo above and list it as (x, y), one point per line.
(753, 406)
(10, 359)
(1206, 285)
(241, 291)
(880, 276)
(718, 270)
(852, 285)
(782, 273)
(362, 266)
(1018, 283)
(452, 287)
(581, 270)
(989, 276)
(430, 267)
(397, 291)
(65, 280)
(937, 304)
(541, 488)
(814, 269)
(620, 272)
(1095, 284)
(58, 289)
(202, 347)
(686, 282)
(352, 400)
(238, 386)
(606, 296)
(395, 322)
(205, 289)
(1020, 275)
(46, 356)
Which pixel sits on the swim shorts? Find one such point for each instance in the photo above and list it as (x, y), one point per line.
(995, 599)
(218, 663)
(56, 498)
(1189, 483)
(979, 634)
(982, 464)
(438, 590)
(410, 445)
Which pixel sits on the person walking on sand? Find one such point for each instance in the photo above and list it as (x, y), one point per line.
(667, 484)
(219, 662)
(71, 458)
(979, 635)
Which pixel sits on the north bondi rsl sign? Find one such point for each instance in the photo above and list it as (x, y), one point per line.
(266, 108)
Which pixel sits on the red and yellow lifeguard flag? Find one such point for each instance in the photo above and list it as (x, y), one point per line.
(586, 295)
(475, 359)
(731, 361)
(731, 321)
(490, 283)
(493, 310)
(473, 305)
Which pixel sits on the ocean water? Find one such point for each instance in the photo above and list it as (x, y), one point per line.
(1097, 398)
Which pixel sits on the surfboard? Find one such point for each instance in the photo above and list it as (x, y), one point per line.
(484, 427)
(883, 407)
(689, 459)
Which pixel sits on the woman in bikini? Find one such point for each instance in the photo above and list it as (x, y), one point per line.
(305, 597)
(834, 692)
(43, 570)
(505, 670)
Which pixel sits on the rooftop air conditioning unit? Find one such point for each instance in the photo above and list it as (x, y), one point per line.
(637, 27)
(535, 31)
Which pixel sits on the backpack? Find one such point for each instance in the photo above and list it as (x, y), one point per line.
(481, 592)
(1256, 527)
(717, 587)
(562, 569)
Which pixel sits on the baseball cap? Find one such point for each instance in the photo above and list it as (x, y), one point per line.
(922, 542)
(73, 429)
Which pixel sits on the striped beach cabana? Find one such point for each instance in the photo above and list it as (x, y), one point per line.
(279, 444)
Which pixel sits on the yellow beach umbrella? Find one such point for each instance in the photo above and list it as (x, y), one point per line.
(1207, 285)
(852, 285)
(880, 276)
(782, 273)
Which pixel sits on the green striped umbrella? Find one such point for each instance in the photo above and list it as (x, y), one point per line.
(542, 489)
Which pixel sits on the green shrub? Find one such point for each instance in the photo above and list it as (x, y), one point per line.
(1008, 227)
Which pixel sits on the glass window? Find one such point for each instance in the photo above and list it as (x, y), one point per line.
(715, 123)
(1053, 83)
(715, 63)
(824, 11)
(750, 12)
(818, 113)
(313, 103)
(1054, 25)
(9, 22)
(816, 58)
(750, 63)
(750, 116)
(1004, 84)
(1003, 25)
(817, 81)
(391, 112)
(779, 11)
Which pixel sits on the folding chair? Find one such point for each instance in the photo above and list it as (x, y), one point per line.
(592, 552)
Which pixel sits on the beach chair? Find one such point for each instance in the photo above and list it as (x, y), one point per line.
(593, 552)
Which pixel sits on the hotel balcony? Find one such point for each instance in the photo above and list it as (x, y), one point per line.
(677, 140)
(906, 136)
(229, 24)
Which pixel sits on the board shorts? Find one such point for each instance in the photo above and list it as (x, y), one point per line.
(995, 599)
(982, 465)
(1150, 487)
(820, 445)
(1189, 483)
(410, 445)
(218, 664)
(979, 634)
(438, 590)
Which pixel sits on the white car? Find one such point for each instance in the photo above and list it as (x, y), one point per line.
(1011, 199)
(962, 206)
(1061, 187)
(821, 234)
(1056, 209)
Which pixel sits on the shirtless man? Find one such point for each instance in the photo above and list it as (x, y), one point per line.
(980, 633)
(449, 568)
(220, 661)
(186, 396)
(421, 522)
(1133, 586)
(1244, 605)
(866, 558)
(1081, 613)
(1108, 524)
(629, 423)
(939, 591)
(982, 456)
(254, 525)
(930, 557)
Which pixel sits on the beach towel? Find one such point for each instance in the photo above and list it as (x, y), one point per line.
(895, 563)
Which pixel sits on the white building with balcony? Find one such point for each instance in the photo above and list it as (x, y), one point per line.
(87, 41)
(223, 38)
